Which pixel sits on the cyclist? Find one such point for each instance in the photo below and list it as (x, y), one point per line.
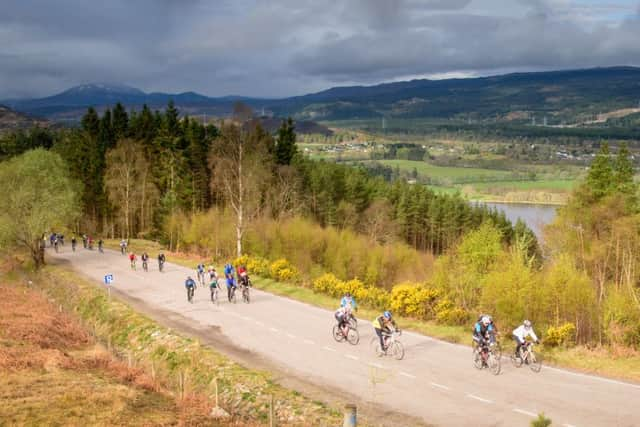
(190, 284)
(123, 246)
(213, 284)
(100, 246)
(382, 324)
(74, 242)
(231, 286)
(132, 260)
(521, 333)
(145, 259)
(161, 260)
(243, 276)
(342, 315)
(84, 241)
(347, 299)
(200, 269)
(89, 243)
(55, 243)
(484, 331)
(228, 270)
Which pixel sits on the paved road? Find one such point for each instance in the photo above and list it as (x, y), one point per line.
(436, 381)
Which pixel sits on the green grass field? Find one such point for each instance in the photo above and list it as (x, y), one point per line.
(542, 184)
(430, 170)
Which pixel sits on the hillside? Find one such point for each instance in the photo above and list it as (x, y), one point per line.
(557, 97)
(12, 120)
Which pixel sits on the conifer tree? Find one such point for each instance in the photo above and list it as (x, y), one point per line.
(286, 143)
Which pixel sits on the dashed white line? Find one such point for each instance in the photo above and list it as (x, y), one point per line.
(291, 336)
(404, 374)
(568, 425)
(376, 365)
(329, 348)
(309, 342)
(592, 377)
(259, 323)
(274, 330)
(246, 318)
(523, 412)
(351, 356)
(444, 387)
(473, 396)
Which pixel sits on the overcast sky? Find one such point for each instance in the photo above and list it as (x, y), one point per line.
(289, 47)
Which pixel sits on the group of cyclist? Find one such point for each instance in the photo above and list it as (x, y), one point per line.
(485, 331)
(144, 257)
(57, 239)
(232, 278)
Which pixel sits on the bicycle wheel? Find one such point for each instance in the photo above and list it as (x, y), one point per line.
(397, 350)
(374, 344)
(337, 333)
(245, 295)
(494, 364)
(233, 296)
(353, 336)
(477, 359)
(535, 364)
(353, 323)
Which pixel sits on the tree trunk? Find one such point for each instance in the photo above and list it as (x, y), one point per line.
(240, 218)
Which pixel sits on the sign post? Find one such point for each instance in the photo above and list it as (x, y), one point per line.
(108, 280)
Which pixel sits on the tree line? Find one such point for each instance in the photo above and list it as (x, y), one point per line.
(138, 170)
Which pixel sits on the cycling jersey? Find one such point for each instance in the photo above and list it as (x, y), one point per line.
(200, 268)
(189, 283)
(522, 332)
(381, 322)
(348, 300)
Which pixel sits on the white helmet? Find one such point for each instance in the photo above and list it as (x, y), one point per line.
(486, 320)
(527, 323)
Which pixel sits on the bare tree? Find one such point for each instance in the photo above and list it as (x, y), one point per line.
(127, 183)
(241, 165)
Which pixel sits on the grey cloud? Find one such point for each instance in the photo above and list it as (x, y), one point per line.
(291, 47)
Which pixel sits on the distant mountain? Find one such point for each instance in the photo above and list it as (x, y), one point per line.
(559, 96)
(12, 120)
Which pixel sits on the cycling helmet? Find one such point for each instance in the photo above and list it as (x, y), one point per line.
(527, 323)
(486, 320)
(387, 315)
(348, 295)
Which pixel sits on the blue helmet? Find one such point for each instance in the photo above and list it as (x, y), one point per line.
(387, 315)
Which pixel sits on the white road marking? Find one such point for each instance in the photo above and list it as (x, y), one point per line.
(522, 411)
(329, 348)
(444, 387)
(246, 318)
(351, 356)
(259, 323)
(291, 336)
(273, 330)
(404, 374)
(473, 396)
(376, 365)
(568, 425)
(309, 342)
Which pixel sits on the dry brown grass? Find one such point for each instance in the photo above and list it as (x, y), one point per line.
(52, 372)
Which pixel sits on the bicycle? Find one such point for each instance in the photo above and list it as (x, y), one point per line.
(133, 264)
(528, 357)
(351, 336)
(231, 294)
(393, 347)
(214, 295)
(201, 277)
(190, 292)
(145, 266)
(245, 293)
(160, 265)
(487, 357)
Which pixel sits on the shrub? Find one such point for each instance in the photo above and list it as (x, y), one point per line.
(447, 314)
(541, 421)
(560, 335)
(283, 271)
(327, 284)
(413, 300)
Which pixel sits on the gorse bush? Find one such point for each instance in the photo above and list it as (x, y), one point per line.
(413, 300)
(563, 335)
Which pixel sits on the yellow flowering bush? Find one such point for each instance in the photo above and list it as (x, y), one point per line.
(448, 314)
(283, 271)
(328, 284)
(254, 265)
(413, 300)
(560, 335)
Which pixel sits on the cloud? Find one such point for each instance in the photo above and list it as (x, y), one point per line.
(291, 47)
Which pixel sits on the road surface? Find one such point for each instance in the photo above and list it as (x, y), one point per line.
(436, 381)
